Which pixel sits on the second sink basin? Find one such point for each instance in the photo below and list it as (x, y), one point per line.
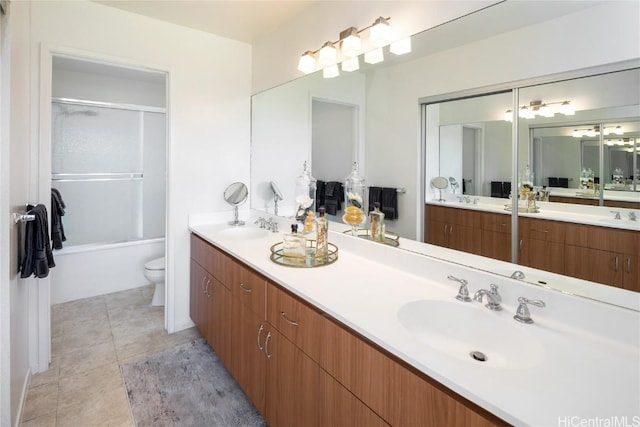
(244, 232)
(472, 333)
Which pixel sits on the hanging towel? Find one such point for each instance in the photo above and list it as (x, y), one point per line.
(333, 196)
(57, 212)
(38, 258)
(320, 194)
(389, 203)
(375, 195)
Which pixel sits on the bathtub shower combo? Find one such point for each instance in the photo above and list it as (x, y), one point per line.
(109, 164)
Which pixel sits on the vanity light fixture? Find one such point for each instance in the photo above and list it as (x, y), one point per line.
(615, 130)
(595, 131)
(508, 116)
(331, 71)
(350, 45)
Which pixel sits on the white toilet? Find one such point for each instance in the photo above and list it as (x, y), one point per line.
(154, 272)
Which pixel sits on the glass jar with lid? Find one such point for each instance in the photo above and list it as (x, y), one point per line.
(354, 190)
(305, 194)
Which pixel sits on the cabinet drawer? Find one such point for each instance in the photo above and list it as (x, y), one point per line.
(216, 262)
(248, 287)
(496, 222)
(294, 319)
(541, 229)
(603, 238)
(451, 215)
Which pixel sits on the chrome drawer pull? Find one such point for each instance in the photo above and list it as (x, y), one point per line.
(260, 332)
(266, 345)
(245, 289)
(629, 265)
(291, 322)
(617, 262)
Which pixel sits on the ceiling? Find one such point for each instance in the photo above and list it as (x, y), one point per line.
(246, 21)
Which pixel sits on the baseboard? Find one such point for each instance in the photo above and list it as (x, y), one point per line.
(182, 325)
(23, 398)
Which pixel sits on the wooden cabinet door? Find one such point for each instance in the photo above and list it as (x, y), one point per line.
(292, 383)
(338, 407)
(496, 245)
(594, 264)
(466, 239)
(220, 321)
(630, 272)
(437, 233)
(198, 300)
(248, 362)
(541, 254)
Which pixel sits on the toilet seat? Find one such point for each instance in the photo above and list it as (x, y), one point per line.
(155, 264)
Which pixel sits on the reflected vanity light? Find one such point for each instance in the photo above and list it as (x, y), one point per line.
(331, 71)
(542, 109)
(350, 45)
(595, 131)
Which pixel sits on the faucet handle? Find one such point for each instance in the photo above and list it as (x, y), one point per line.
(617, 214)
(463, 292)
(522, 313)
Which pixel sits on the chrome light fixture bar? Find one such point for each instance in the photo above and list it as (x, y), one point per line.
(350, 45)
(542, 109)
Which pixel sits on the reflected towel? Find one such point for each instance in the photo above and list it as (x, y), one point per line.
(389, 203)
(375, 195)
(57, 212)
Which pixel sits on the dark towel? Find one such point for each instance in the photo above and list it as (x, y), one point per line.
(57, 212)
(553, 182)
(496, 189)
(506, 189)
(333, 197)
(389, 203)
(320, 197)
(38, 258)
(375, 195)
(563, 182)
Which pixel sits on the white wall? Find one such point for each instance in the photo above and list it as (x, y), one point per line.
(208, 119)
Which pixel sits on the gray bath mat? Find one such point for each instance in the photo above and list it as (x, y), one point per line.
(187, 386)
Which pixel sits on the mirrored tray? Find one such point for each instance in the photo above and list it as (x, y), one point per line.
(391, 239)
(522, 209)
(309, 261)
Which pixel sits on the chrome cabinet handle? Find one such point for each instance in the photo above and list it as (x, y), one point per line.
(259, 333)
(450, 230)
(617, 262)
(202, 284)
(445, 229)
(247, 290)
(266, 345)
(206, 290)
(629, 265)
(291, 322)
(520, 245)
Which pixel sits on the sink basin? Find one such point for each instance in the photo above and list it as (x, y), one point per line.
(244, 232)
(458, 329)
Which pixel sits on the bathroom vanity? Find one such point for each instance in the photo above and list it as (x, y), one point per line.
(378, 338)
(590, 245)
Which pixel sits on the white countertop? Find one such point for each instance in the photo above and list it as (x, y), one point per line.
(585, 355)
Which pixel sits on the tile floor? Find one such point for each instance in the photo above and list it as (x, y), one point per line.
(90, 338)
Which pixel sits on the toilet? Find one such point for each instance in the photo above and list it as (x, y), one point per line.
(154, 272)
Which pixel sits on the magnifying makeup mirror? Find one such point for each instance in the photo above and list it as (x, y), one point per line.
(236, 194)
(440, 182)
(277, 195)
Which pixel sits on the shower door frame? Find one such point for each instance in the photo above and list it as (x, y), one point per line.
(40, 324)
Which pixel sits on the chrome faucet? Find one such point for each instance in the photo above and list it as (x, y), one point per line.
(493, 298)
(272, 225)
(517, 275)
(261, 222)
(617, 214)
(463, 292)
(632, 216)
(522, 313)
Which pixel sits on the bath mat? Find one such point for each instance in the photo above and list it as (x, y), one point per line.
(186, 386)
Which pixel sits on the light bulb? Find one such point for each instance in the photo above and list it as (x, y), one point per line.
(351, 43)
(380, 32)
(401, 46)
(351, 64)
(328, 54)
(331, 71)
(618, 130)
(307, 63)
(374, 56)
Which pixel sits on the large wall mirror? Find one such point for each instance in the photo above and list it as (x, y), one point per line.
(383, 103)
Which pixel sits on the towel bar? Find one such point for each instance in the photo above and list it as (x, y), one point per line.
(23, 217)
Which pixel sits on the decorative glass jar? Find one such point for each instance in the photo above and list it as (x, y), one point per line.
(354, 189)
(305, 194)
